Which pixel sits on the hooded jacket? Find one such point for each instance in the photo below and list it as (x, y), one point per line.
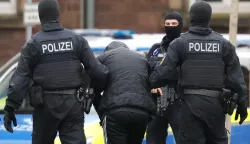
(128, 80)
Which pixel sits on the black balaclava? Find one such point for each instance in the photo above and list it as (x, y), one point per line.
(48, 11)
(173, 32)
(200, 14)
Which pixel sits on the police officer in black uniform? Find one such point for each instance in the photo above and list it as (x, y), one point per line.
(127, 105)
(208, 63)
(157, 130)
(52, 59)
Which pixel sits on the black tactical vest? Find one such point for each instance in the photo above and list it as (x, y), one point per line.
(59, 66)
(202, 66)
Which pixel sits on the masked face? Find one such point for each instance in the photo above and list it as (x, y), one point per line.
(172, 28)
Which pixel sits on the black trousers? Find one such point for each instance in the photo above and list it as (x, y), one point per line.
(61, 113)
(125, 127)
(202, 121)
(157, 129)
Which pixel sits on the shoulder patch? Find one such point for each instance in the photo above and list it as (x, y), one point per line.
(162, 60)
(156, 52)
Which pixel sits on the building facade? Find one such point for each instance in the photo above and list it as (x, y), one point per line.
(12, 30)
(143, 16)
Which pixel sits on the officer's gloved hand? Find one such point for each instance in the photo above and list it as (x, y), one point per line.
(9, 117)
(242, 111)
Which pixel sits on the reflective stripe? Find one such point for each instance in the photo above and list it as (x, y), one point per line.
(162, 60)
(105, 130)
(2, 103)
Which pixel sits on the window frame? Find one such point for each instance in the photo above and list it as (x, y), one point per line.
(223, 7)
(8, 8)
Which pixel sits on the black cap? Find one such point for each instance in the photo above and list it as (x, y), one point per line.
(200, 14)
(48, 11)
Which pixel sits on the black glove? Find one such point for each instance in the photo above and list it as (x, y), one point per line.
(242, 111)
(9, 117)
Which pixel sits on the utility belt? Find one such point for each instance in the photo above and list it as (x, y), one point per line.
(66, 92)
(228, 99)
(204, 92)
(168, 98)
(84, 96)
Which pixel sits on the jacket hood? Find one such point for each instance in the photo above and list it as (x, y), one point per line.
(115, 45)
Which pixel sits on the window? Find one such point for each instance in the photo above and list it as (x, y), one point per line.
(224, 6)
(8, 7)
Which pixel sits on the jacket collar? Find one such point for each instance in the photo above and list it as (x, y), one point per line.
(53, 26)
(200, 30)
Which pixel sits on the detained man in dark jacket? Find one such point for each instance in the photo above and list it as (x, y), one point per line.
(126, 105)
(157, 130)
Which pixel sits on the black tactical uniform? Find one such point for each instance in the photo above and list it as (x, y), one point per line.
(157, 130)
(52, 59)
(126, 105)
(208, 63)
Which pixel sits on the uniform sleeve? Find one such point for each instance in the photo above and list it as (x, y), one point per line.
(95, 70)
(234, 76)
(96, 103)
(153, 60)
(166, 72)
(20, 81)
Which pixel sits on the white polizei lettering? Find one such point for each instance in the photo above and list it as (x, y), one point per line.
(62, 47)
(68, 46)
(56, 49)
(208, 47)
(191, 45)
(204, 47)
(197, 47)
(215, 47)
(44, 47)
(50, 47)
(71, 44)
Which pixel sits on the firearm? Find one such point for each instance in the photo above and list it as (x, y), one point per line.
(168, 97)
(228, 101)
(89, 98)
(233, 103)
(162, 101)
(87, 93)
